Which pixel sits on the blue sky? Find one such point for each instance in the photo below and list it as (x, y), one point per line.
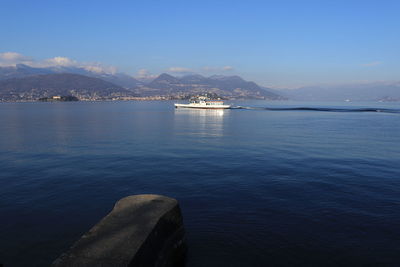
(275, 43)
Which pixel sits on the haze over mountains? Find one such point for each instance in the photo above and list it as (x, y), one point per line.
(375, 91)
(22, 82)
(226, 86)
(21, 70)
(59, 84)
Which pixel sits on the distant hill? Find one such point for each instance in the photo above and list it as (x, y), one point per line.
(226, 86)
(120, 79)
(377, 91)
(64, 84)
(165, 81)
(25, 82)
(21, 71)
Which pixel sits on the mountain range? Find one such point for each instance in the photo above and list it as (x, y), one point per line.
(23, 82)
(226, 86)
(62, 84)
(21, 70)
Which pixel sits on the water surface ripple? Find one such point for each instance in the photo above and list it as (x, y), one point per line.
(287, 187)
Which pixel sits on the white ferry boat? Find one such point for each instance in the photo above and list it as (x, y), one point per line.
(203, 103)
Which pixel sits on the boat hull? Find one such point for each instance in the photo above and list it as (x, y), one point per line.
(202, 106)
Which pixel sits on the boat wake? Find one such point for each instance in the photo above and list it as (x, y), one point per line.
(383, 110)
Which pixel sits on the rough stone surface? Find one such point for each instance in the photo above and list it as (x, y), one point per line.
(141, 230)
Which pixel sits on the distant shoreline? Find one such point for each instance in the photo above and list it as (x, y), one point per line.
(128, 99)
(166, 98)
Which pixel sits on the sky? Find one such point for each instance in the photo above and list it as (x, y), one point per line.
(281, 44)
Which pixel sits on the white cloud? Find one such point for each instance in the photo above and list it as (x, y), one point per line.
(60, 61)
(179, 69)
(371, 64)
(227, 68)
(145, 74)
(209, 68)
(89, 66)
(217, 69)
(13, 58)
(99, 68)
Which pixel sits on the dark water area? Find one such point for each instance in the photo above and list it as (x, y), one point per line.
(274, 185)
(327, 109)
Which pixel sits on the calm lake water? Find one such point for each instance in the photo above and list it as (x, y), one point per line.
(256, 187)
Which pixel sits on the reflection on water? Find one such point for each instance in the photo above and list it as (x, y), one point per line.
(202, 122)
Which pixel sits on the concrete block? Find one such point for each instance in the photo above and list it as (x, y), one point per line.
(141, 230)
